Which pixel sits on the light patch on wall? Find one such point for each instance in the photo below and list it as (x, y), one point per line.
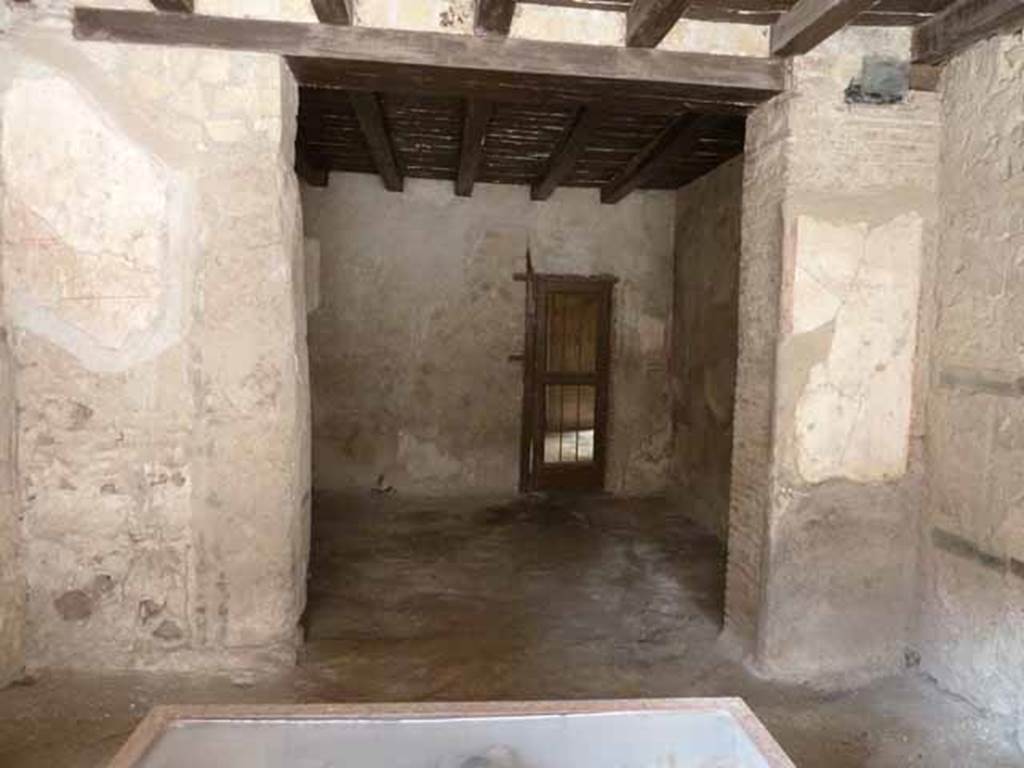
(423, 460)
(96, 277)
(852, 418)
(568, 25)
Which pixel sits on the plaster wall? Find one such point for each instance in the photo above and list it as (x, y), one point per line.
(828, 466)
(971, 634)
(419, 313)
(153, 295)
(703, 353)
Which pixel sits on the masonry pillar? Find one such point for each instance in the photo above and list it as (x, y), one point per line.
(838, 213)
(152, 264)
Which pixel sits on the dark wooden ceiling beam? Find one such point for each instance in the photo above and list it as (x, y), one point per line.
(809, 22)
(568, 151)
(494, 16)
(334, 11)
(962, 24)
(648, 21)
(176, 6)
(679, 137)
(371, 119)
(364, 58)
(474, 133)
(310, 171)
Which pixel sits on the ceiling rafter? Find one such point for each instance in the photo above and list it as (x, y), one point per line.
(371, 119)
(962, 24)
(494, 16)
(570, 147)
(334, 11)
(174, 6)
(809, 22)
(648, 21)
(474, 132)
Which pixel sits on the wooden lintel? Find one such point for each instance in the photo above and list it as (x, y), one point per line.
(963, 23)
(175, 6)
(569, 148)
(809, 22)
(474, 131)
(371, 119)
(648, 21)
(334, 11)
(677, 138)
(494, 16)
(365, 58)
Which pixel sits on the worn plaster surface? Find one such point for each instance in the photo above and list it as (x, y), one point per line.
(419, 313)
(827, 468)
(704, 338)
(971, 635)
(153, 295)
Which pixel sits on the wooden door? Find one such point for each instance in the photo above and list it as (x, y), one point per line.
(566, 398)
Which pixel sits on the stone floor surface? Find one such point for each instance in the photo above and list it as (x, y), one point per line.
(474, 599)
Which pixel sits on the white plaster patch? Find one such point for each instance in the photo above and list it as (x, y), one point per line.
(90, 218)
(852, 419)
(568, 25)
(699, 36)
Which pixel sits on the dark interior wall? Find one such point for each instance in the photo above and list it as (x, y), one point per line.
(704, 338)
(419, 313)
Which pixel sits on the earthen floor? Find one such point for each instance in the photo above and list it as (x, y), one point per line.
(534, 599)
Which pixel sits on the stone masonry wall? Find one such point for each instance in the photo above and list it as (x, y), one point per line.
(971, 633)
(703, 350)
(153, 293)
(419, 313)
(850, 236)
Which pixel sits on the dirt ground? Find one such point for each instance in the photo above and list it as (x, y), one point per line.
(477, 599)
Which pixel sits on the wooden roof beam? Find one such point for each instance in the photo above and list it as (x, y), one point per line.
(367, 59)
(371, 119)
(648, 21)
(494, 16)
(962, 24)
(678, 137)
(175, 6)
(474, 132)
(568, 151)
(334, 11)
(809, 22)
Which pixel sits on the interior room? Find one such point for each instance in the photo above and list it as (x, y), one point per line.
(505, 354)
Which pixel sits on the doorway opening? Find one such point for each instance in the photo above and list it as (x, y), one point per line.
(565, 382)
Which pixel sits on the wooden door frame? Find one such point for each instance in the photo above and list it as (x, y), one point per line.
(531, 464)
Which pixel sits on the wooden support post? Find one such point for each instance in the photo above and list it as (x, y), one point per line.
(494, 16)
(334, 11)
(569, 148)
(648, 21)
(474, 132)
(964, 23)
(371, 119)
(809, 22)
(679, 137)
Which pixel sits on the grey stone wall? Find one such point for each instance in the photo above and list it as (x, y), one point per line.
(839, 214)
(703, 351)
(152, 288)
(971, 633)
(419, 313)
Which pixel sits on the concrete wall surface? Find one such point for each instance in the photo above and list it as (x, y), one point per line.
(703, 350)
(839, 213)
(971, 633)
(419, 313)
(151, 249)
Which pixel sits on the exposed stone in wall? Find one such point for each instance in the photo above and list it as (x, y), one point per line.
(703, 351)
(838, 482)
(971, 632)
(152, 265)
(419, 314)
